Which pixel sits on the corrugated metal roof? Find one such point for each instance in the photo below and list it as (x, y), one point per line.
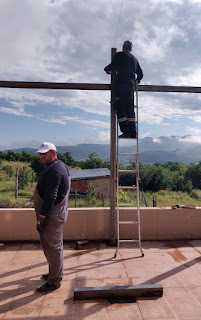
(89, 173)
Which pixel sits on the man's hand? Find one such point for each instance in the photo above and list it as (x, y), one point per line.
(40, 223)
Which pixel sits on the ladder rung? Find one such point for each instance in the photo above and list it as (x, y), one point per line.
(131, 171)
(128, 222)
(127, 154)
(125, 187)
(134, 240)
(127, 204)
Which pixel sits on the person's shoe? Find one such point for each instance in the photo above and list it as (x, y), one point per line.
(45, 276)
(125, 135)
(47, 287)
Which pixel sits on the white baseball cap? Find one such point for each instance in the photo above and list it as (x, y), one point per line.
(46, 146)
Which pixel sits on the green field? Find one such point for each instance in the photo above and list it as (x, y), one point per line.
(163, 198)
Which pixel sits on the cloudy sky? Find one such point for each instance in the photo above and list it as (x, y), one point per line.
(71, 41)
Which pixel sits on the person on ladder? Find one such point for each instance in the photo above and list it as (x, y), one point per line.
(125, 67)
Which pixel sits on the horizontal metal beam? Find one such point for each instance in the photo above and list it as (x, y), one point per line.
(153, 290)
(92, 86)
(155, 88)
(54, 85)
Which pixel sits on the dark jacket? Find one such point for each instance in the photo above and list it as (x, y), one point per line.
(53, 185)
(126, 67)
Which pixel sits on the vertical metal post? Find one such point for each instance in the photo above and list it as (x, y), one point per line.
(16, 183)
(113, 218)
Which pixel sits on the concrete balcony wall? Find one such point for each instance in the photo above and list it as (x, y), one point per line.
(93, 224)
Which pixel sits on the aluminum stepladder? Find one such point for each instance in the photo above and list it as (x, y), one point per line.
(134, 188)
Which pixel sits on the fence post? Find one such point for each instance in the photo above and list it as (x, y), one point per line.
(145, 199)
(154, 201)
(16, 183)
(103, 199)
(75, 198)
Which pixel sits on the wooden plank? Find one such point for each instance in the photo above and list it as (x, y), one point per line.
(93, 86)
(152, 290)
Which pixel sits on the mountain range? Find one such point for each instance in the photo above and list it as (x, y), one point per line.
(162, 149)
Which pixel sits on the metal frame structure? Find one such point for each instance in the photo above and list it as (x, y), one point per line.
(102, 87)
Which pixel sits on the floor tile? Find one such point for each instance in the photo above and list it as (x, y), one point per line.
(128, 311)
(23, 313)
(88, 274)
(90, 310)
(183, 303)
(155, 309)
(5, 302)
(176, 265)
(114, 274)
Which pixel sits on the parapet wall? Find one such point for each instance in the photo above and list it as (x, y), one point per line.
(93, 224)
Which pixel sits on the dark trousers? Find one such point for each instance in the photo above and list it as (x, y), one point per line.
(51, 236)
(125, 109)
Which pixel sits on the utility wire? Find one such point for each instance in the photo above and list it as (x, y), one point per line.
(118, 23)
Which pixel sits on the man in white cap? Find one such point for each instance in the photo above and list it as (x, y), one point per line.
(50, 202)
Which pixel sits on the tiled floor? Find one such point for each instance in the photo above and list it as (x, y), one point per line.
(176, 265)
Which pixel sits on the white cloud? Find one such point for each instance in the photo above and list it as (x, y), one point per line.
(186, 77)
(95, 123)
(145, 134)
(154, 42)
(104, 137)
(156, 140)
(66, 40)
(16, 112)
(156, 110)
(196, 118)
(194, 135)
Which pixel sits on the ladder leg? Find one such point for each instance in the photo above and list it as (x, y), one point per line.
(138, 177)
(137, 187)
(117, 192)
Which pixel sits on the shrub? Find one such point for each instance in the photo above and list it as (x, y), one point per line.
(123, 197)
(24, 177)
(9, 170)
(194, 195)
(91, 194)
(162, 192)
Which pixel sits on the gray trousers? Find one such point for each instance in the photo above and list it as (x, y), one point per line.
(51, 237)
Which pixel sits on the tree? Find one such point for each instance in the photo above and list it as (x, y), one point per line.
(2, 155)
(12, 156)
(193, 173)
(36, 165)
(25, 157)
(24, 177)
(69, 159)
(9, 170)
(92, 162)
